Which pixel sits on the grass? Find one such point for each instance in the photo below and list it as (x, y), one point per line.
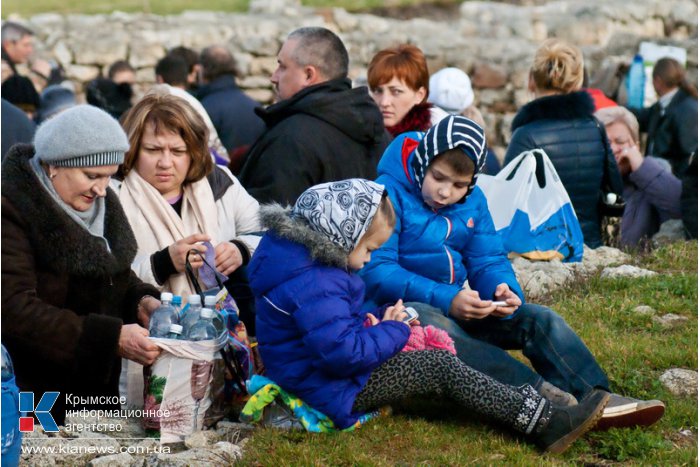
(27, 9)
(630, 347)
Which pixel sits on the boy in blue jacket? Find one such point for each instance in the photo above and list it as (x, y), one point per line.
(446, 254)
(316, 343)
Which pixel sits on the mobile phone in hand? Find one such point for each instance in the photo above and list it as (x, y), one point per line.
(411, 315)
(500, 303)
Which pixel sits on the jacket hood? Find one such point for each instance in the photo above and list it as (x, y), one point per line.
(350, 110)
(288, 249)
(60, 244)
(398, 159)
(321, 249)
(570, 106)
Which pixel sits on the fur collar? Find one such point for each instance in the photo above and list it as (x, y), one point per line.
(321, 249)
(59, 243)
(417, 119)
(559, 107)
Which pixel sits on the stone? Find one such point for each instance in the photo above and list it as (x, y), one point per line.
(198, 456)
(229, 449)
(626, 270)
(604, 256)
(264, 96)
(254, 82)
(233, 432)
(263, 66)
(101, 49)
(82, 73)
(202, 439)
(644, 310)
(144, 54)
(680, 382)
(275, 7)
(670, 231)
(123, 459)
(670, 320)
(488, 76)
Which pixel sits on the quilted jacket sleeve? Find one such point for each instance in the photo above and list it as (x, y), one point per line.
(335, 334)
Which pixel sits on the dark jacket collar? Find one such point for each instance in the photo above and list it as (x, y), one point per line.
(59, 243)
(571, 106)
(350, 110)
(219, 84)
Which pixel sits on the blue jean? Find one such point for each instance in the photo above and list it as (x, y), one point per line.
(555, 351)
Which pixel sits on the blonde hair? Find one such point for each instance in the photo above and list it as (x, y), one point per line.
(610, 115)
(558, 66)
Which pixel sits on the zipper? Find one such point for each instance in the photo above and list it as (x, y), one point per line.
(452, 266)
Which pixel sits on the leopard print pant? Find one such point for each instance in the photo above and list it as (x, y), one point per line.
(423, 372)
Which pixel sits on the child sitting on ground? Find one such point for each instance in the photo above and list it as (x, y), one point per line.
(315, 344)
(446, 254)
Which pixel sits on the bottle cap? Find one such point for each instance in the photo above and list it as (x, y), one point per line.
(610, 198)
(176, 328)
(194, 299)
(209, 300)
(166, 296)
(177, 299)
(206, 313)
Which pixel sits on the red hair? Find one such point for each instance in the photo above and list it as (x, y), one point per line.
(405, 62)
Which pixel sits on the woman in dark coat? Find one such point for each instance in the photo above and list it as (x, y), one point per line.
(560, 121)
(70, 302)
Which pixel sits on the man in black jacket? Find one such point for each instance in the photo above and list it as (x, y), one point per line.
(320, 130)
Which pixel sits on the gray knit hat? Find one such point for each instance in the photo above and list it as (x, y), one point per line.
(82, 136)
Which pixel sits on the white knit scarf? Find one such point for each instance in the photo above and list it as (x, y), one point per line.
(156, 225)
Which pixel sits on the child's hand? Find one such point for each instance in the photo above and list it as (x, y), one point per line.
(395, 312)
(503, 293)
(373, 321)
(467, 305)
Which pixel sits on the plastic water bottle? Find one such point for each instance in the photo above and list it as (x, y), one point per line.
(177, 304)
(175, 332)
(191, 316)
(219, 322)
(163, 317)
(204, 328)
(635, 83)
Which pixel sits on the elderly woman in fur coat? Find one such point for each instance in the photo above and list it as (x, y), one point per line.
(71, 306)
(560, 121)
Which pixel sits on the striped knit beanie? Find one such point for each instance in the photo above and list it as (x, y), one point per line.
(451, 132)
(82, 136)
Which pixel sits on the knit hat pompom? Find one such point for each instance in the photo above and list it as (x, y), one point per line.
(451, 90)
(82, 136)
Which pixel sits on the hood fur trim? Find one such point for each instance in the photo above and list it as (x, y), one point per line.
(59, 243)
(276, 218)
(559, 107)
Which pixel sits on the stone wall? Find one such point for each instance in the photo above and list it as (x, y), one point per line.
(494, 42)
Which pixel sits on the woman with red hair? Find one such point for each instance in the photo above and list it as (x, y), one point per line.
(398, 81)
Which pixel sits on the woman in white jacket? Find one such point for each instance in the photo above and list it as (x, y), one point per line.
(175, 199)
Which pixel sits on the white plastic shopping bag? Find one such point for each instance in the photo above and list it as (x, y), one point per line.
(531, 209)
(177, 387)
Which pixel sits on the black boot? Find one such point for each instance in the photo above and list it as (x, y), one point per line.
(559, 427)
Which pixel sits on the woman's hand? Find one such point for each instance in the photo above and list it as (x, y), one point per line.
(395, 313)
(467, 305)
(178, 251)
(147, 305)
(135, 345)
(630, 155)
(503, 293)
(228, 257)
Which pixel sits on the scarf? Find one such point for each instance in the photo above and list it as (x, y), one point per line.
(92, 220)
(156, 225)
(417, 119)
(341, 211)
